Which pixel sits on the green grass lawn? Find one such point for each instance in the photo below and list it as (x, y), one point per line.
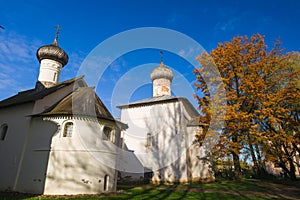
(246, 189)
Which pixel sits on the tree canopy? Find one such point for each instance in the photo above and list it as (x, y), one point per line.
(262, 102)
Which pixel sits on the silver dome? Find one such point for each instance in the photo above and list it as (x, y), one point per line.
(53, 52)
(162, 71)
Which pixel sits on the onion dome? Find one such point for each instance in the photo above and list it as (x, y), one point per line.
(52, 52)
(162, 71)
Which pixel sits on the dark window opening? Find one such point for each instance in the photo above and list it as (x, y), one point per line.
(107, 134)
(55, 76)
(148, 140)
(3, 131)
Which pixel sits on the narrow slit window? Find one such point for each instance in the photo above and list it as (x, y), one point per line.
(148, 140)
(55, 76)
(106, 182)
(3, 131)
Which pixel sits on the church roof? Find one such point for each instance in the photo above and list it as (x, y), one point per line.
(159, 100)
(152, 100)
(81, 102)
(35, 94)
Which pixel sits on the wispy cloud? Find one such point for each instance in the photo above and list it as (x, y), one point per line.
(6, 81)
(16, 48)
(174, 19)
(227, 25)
(118, 64)
(19, 66)
(187, 52)
(190, 53)
(73, 66)
(17, 63)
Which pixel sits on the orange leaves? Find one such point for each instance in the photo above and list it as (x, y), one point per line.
(262, 93)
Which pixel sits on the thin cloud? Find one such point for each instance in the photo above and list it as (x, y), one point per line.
(189, 52)
(17, 63)
(14, 47)
(73, 66)
(228, 25)
(19, 66)
(117, 65)
(5, 82)
(174, 19)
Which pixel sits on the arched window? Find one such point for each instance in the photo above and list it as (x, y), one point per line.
(106, 182)
(108, 134)
(3, 131)
(148, 140)
(68, 129)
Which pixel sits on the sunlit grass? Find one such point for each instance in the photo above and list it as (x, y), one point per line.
(220, 190)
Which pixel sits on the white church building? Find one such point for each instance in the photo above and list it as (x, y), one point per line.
(161, 132)
(59, 138)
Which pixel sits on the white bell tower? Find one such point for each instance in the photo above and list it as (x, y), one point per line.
(161, 77)
(52, 59)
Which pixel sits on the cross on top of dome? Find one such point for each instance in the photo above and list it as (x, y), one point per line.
(161, 71)
(58, 28)
(53, 51)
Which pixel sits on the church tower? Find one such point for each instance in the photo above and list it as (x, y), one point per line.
(161, 77)
(52, 59)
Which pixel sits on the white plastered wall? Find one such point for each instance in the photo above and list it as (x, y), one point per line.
(167, 124)
(79, 164)
(12, 147)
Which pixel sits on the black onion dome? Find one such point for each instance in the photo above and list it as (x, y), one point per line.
(162, 71)
(53, 52)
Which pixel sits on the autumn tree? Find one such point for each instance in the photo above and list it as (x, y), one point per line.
(281, 126)
(261, 100)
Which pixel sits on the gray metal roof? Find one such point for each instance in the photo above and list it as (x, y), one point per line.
(152, 100)
(195, 121)
(36, 93)
(84, 102)
(161, 99)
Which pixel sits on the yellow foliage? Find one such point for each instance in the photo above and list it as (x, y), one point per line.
(262, 94)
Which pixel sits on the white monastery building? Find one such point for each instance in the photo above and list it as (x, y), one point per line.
(161, 132)
(59, 138)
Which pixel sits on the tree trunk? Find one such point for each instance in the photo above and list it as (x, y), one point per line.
(236, 159)
(292, 172)
(256, 167)
(261, 165)
(237, 166)
(287, 164)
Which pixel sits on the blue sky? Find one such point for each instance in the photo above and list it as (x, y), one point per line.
(85, 24)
